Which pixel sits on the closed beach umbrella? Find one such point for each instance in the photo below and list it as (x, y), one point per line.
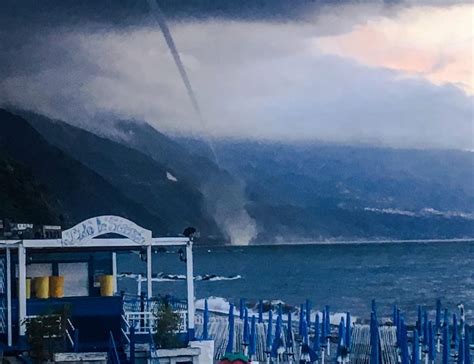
(260, 312)
(328, 321)
(246, 335)
(419, 320)
(230, 343)
(277, 340)
(438, 315)
(374, 307)
(241, 308)
(341, 347)
(467, 352)
(415, 358)
(308, 312)
(301, 317)
(374, 340)
(399, 329)
(446, 344)
(253, 338)
(317, 340)
(341, 332)
(461, 353)
(269, 330)
(425, 328)
(289, 332)
(455, 330)
(431, 342)
(438, 325)
(323, 328)
(205, 324)
(397, 324)
(328, 330)
(446, 317)
(394, 315)
(406, 355)
(304, 332)
(404, 347)
(348, 330)
(401, 338)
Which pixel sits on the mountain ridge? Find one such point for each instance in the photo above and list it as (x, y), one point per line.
(259, 192)
(79, 192)
(340, 192)
(136, 175)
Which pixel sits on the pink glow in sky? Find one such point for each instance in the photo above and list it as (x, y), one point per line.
(431, 42)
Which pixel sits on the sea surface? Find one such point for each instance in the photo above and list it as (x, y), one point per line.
(345, 276)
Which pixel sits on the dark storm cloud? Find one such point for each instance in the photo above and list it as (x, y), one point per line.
(255, 71)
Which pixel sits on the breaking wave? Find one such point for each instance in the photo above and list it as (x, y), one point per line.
(427, 211)
(164, 277)
(221, 306)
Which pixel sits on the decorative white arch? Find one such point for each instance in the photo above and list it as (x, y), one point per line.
(82, 233)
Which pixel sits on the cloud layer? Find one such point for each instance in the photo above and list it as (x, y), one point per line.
(291, 80)
(429, 42)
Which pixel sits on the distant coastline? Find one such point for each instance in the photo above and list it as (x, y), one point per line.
(346, 242)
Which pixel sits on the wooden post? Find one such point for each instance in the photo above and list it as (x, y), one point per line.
(190, 288)
(21, 289)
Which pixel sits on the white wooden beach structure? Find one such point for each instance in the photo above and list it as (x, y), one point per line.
(102, 233)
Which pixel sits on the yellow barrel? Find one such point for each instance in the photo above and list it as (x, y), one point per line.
(107, 285)
(56, 286)
(28, 288)
(42, 287)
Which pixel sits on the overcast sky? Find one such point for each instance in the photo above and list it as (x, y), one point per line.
(398, 75)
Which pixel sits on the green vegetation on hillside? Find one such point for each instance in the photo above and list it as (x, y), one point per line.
(22, 198)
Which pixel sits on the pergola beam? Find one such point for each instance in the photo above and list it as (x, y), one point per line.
(98, 243)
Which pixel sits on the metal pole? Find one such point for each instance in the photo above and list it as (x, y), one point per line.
(114, 270)
(148, 272)
(9, 297)
(22, 288)
(190, 288)
(139, 285)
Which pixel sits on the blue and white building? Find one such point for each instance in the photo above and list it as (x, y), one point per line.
(82, 254)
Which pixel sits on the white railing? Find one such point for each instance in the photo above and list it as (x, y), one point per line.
(71, 341)
(183, 321)
(70, 326)
(145, 322)
(127, 328)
